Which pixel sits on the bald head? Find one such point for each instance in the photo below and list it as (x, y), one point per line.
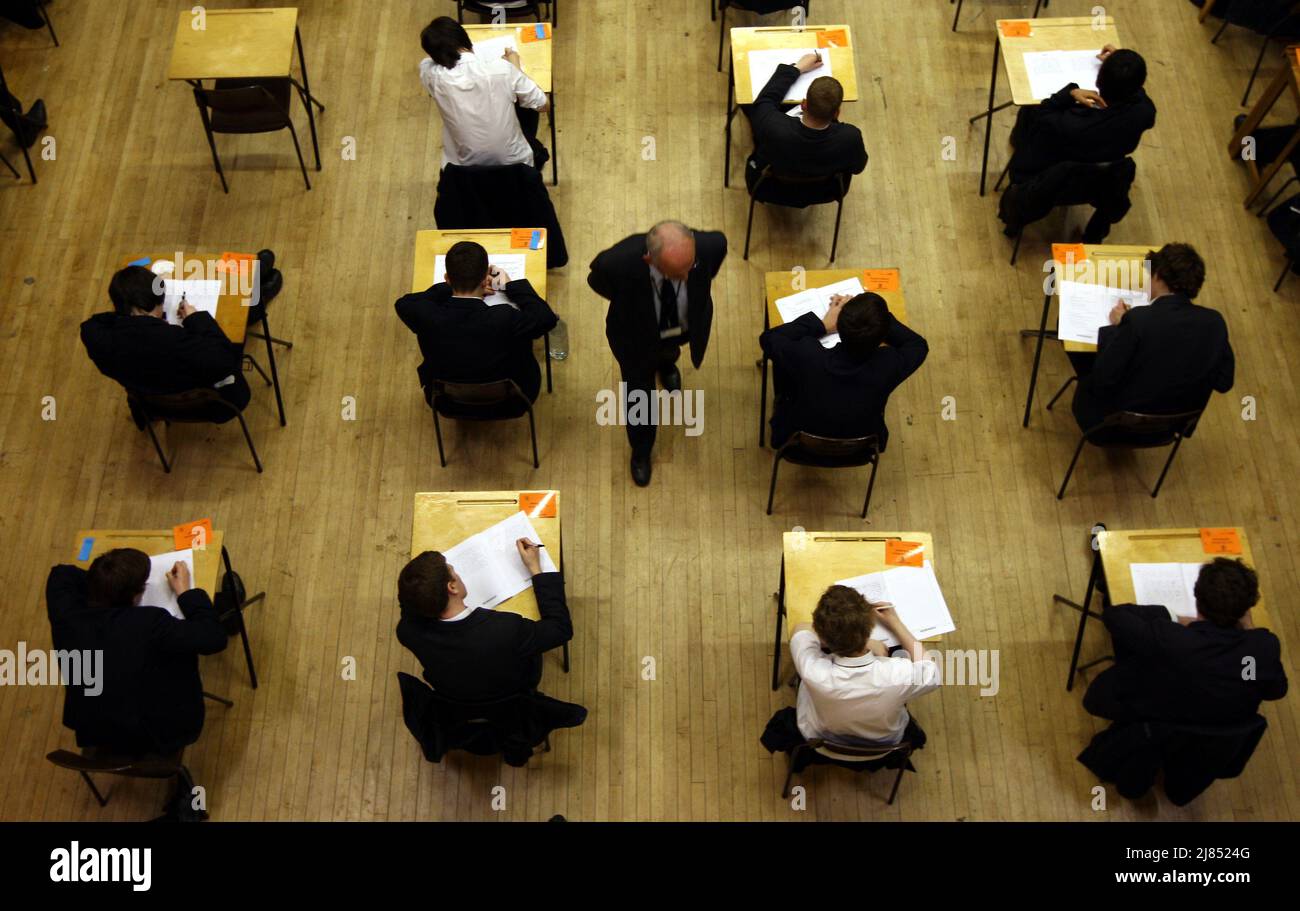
(670, 248)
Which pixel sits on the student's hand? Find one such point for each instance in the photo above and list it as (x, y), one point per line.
(497, 278)
(877, 648)
(808, 62)
(832, 319)
(179, 578)
(884, 612)
(1107, 51)
(186, 309)
(531, 554)
(1088, 99)
(512, 56)
(1117, 312)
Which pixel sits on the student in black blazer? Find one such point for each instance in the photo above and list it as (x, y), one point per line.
(1080, 125)
(840, 391)
(151, 700)
(816, 144)
(1165, 358)
(136, 346)
(478, 655)
(1212, 669)
(637, 275)
(465, 340)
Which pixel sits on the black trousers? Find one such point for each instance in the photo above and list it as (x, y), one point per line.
(641, 379)
(1088, 412)
(11, 115)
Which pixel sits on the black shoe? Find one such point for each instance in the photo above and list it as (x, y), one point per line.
(641, 470)
(671, 377)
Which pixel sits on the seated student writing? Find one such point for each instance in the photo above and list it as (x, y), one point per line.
(1164, 358)
(152, 697)
(478, 655)
(1210, 669)
(490, 109)
(814, 145)
(465, 340)
(840, 391)
(136, 346)
(1081, 125)
(851, 690)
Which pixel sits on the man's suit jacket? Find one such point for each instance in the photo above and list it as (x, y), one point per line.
(490, 654)
(1164, 358)
(464, 340)
(1165, 671)
(788, 146)
(826, 391)
(152, 698)
(147, 354)
(622, 277)
(1059, 129)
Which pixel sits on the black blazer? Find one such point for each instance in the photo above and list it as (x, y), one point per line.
(1165, 671)
(464, 340)
(147, 354)
(490, 654)
(826, 391)
(1165, 358)
(1059, 129)
(787, 145)
(622, 277)
(152, 697)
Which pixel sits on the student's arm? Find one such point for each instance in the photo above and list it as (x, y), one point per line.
(602, 277)
(858, 161)
(555, 627)
(812, 665)
(890, 620)
(528, 94)
(534, 317)
(199, 633)
(65, 591)
(767, 104)
(1133, 627)
(911, 346)
(1224, 369)
(1116, 348)
(786, 343)
(205, 349)
(1061, 101)
(413, 308)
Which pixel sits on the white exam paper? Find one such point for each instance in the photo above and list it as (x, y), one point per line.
(513, 264)
(201, 294)
(495, 48)
(762, 64)
(1051, 71)
(818, 301)
(1085, 308)
(157, 591)
(489, 565)
(914, 591)
(1171, 585)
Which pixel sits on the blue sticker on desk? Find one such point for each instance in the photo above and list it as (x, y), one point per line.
(541, 31)
(87, 545)
(142, 261)
(536, 242)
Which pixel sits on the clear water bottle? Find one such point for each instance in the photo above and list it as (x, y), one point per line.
(559, 342)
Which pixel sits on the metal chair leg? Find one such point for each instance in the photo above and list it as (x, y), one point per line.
(49, 23)
(1015, 251)
(1060, 494)
(221, 699)
(158, 447)
(1003, 176)
(1178, 441)
(546, 345)
(1290, 261)
(956, 15)
(835, 242)
(1254, 74)
(898, 779)
(103, 801)
(251, 448)
(258, 367)
(870, 486)
(722, 33)
(12, 169)
(437, 430)
(771, 490)
(1274, 198)
(749, 227)
(789, 769)
(1060, 392)
(293, 134)
(1085, 611)
(1222, 29)
(565, 654)
(776, 645)
(275, 375)
(532, 433)
(216, 159)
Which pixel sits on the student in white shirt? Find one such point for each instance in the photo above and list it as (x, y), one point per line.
(852, 691)
(483, 101)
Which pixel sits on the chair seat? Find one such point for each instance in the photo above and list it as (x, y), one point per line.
(254, 119)
(467, 412)
(1118, 438)
(830, 753)
(800, 456)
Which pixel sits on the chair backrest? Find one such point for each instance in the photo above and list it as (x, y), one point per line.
(1090, 184)
(809, 189)
(248, 99)
(847, 752)
(478, 394)
(190, 406)
(1131, 428)
(130, 767)
(846, 451)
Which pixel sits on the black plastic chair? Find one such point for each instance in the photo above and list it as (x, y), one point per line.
(803, 191)
(1132, 430)
(241, 106)
(19, 133)
(752, 6)
(500, 400)
(828, 452)
(1038, 4)
(232, 600)
(848, 754)
(103, 763)
(1105, 186)
(194, 406)
(530, 8)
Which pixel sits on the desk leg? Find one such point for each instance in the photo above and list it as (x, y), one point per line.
(780, 614)
(308, 99)
(731, 113)
(988, 124)
(555, 154)
(1083, 618)
(565, 651)
(1038, 355)
(762, 395)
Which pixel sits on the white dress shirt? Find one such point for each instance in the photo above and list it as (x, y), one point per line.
(461, 616)
(477, 100)
(656, 281)
(856, 699)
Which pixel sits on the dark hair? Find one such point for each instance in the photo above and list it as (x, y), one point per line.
(116, 577)
(825, 96)
(467, 266)
(863, 323)
(1180, 267)
(422, 586)
(134, 288)
(1225, 590)
(1122, 76)
(843, 620)
(443, 38)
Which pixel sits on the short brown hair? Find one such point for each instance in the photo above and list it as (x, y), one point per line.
(1180, 267)
(843, 620)
(422, 586)
(825, 96)
(117, 577)
(1225, 590)
(863, 323)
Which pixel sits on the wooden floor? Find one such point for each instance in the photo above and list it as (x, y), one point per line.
(684, 571)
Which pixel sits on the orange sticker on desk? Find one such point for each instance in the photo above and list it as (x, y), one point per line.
(538, 505)
(1221, 540)
(539, 32)
(193, 534)
(904, 553)
(525, 239)
(880, 279)
(234, 261)
(1018, 28)
(835, 37)
(1067, 253)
